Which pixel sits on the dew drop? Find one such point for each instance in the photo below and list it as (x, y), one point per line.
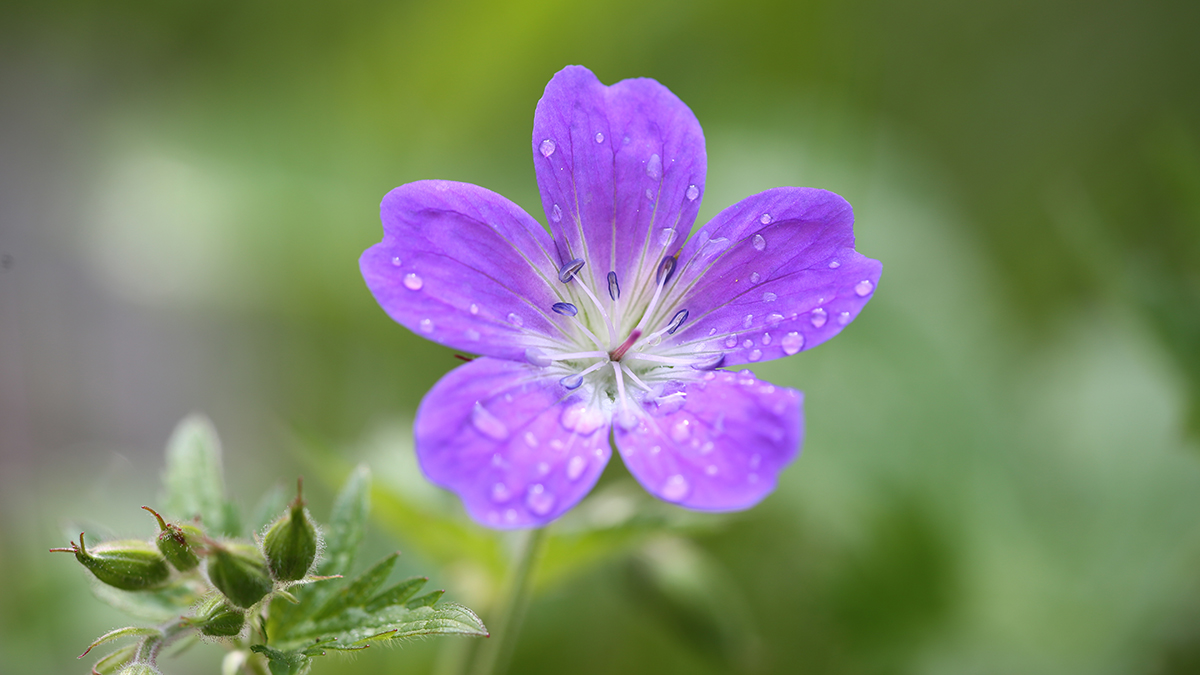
(864, 287)
(707, 447)
(766, 338)
(649, 194)
(676, 488)
(396, 261)
(755, 277)
(712, 331)
(654, 167)
(759, 242)
(599, 137)
(501, 493)
(711, 469)
(755, 355)
(530, 439)
(656, 449)
(488, 424)
(547, 148)
(474, 308)
(539, 500)
(582, 418)
(426, 326)
(692, 193)
(543, 468)
(843, 318)
(537, 357)
(715, 246)
(626, 419)
(731, 341)
(515, 320)
(765, 219)
(413, 282)
(681, 431)
(755, 460)
(666, 237)
(576, 466)
(510, 516)
(769, 297)
(819, 317)
(556, 213)
(472, 334)
(571, 381)
(833, 264)
(774, 318)
(748, 343)
(792, 343)
(748, 320)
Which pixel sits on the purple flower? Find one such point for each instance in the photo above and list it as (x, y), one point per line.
(616, 320)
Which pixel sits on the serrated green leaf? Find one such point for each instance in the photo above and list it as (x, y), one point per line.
(355, 626)
(427, 600)
(347, 522)
(396, 594)
(194, 483)
(127, 631)
(284, 662)
(112, 661)
(359, 591)
(160, 604)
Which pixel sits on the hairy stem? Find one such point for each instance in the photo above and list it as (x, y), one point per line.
(495, 653)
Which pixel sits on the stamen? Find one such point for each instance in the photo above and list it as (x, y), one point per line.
(614, 289)
(565, 308)
(712, 363)
(591, 336)
(570, 269)
(666, 270)
(612, 331)
(537, 357)
(639, 356)
(617, 353)
(677, 321)
(624, 417)
(573, 381)
(571, 356)
(637, 380)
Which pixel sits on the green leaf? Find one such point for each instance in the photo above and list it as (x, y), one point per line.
(358, 591)
(284, 662)
(111, 662)
(194, 481)
(120, 633)
(355, 627)
(347, 523)
(427, 600)
(397, 594)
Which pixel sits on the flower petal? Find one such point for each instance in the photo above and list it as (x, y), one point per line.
(501, 436)
(621, 172)
(722, 449)
(465, 267)
(772, 275)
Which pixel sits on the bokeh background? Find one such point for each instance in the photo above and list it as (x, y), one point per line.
(1001, 474)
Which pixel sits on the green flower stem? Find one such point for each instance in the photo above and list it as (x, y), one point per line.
(495, 653)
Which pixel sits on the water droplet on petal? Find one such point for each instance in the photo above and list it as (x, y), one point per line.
(583, 418)
(530, 439)
(755, 355)
(511, 516)
(833, 264)
(666, 237)
(748, 343)
(769, 297)
(715, 245)
(755, 277)
(792, 343)
(731, 341)
(576, 466)
(474, 308)
(711, 469)
(649, 194)
(547, 148)
(681, 431)
(543, 468)
(413, 282)
(599, 137)
(501, 493)
(488, 424)
(766, 338)
(556, 213)
(755, 460)
(864, 287)
(818, 317)
(626, 419)
(426, 326)
(537, 357)
(396, 260)
(675, 489)
(712, 331)
(765, 219)
(515, 320)
(539, 500)
(654, 167)
(748, 320)
(472, 334)
(758, 242)
(843, 318)
(692, 193)
(774, 318)
(573, 381)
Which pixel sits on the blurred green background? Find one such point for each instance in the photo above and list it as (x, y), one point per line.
(1001, 473)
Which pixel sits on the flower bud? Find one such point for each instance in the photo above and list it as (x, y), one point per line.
(130, 565)
(239, 572)
(176, 542)
(218, 618)
(290, 544)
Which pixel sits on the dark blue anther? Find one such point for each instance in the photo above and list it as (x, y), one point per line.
(677, 321)
(569, 270)
(571, 381)
(666, 269)
(565, 308)
(614, 289)
(710, 364)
